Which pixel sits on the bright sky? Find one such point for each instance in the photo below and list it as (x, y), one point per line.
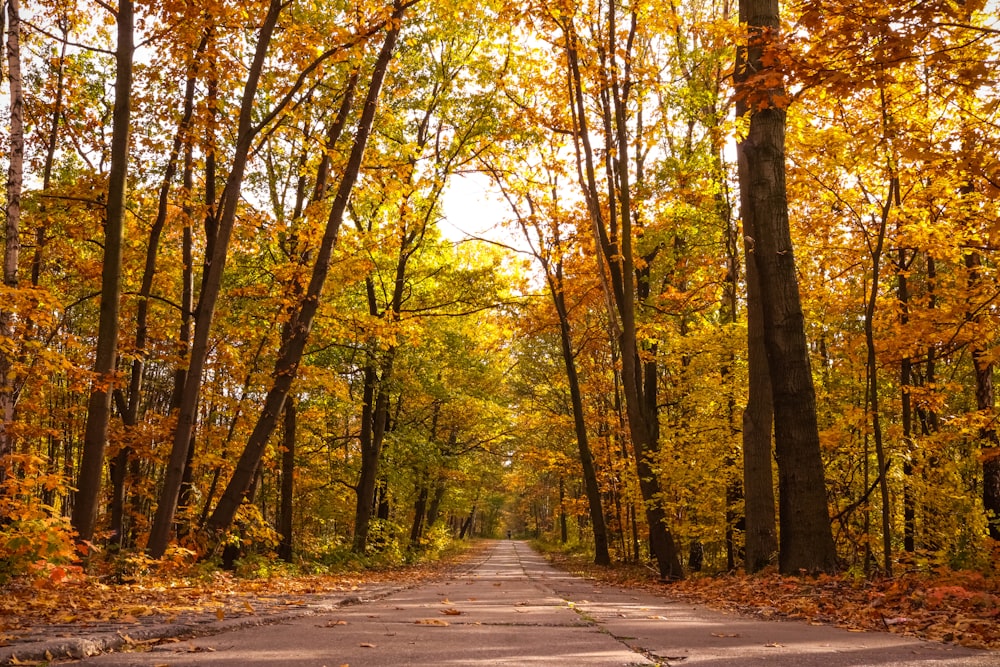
(473, 207)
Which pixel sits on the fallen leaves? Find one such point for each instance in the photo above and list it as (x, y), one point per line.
(84, 603)
(943, 605)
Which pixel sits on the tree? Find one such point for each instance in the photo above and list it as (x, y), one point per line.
(99, 406)
(626, 281)
(12, 230)
(289, 357)
(540, 225)
(806, 541)
(208, 298)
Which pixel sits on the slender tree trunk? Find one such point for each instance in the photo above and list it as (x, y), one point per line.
(159, 536)
(12, 230)
(593, 490)
(563, 526)
(554, 276)
(374, 415)
(287, 508)
(615, 243)
(434, 509)
(419, 512)
(290, 354)
(99, 406)
(466, 528)
(872, 370)
(986, 403)
(130, 415)
(806, 538)
(906, 408)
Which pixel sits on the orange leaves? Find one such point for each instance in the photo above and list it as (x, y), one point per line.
(965, 613)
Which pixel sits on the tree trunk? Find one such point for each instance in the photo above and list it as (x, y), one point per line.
(290, 354)
(986, 404)
(467, 524)
(614, 241)
(872, 371)
(52, 142)
(159, 534)
(554, 277)
(286, 515)
(806, 539)
(12, 230)
(130, 415)
(419, 512)
(758, 418)
(374, 414)
(434, 509)
(591, 485)
(99, 405)
(906, 409)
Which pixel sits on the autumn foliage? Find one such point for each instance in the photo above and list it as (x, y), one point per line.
(310, 361)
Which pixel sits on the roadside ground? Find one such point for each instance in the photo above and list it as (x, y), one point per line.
(960, 607)
(74, 617)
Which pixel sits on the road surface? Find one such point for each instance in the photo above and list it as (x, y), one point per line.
(511, 608)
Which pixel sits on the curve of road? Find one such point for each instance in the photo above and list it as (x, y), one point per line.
(511, 608)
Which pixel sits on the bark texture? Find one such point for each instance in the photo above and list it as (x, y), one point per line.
(806, 539)
(95, 437)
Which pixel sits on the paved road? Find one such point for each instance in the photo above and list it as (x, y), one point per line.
(512, 608)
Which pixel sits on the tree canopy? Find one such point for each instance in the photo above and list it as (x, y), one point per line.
(742, 310)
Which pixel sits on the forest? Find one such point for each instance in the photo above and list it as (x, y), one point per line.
(741, 313)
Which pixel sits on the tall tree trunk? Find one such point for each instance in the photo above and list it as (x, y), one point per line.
(12, 230)
(434, 508)
(130, 415)
(806, 538)
(159, 535)
(614, 240)
(982, 364)
(563, 527)
(287, 505)
(872, 373)
(906, 407)
(99, 405)
(374, 416)
(758, 419)
(602, 556)
(553, 267)
(290, 354)
(419, 513)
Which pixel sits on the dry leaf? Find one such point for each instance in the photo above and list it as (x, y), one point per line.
(366, 645)
(248, 607)
(220, 613)
(431, 621)
(451, 612)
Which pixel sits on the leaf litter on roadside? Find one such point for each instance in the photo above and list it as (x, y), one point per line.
(88, 601)
(942, 605)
